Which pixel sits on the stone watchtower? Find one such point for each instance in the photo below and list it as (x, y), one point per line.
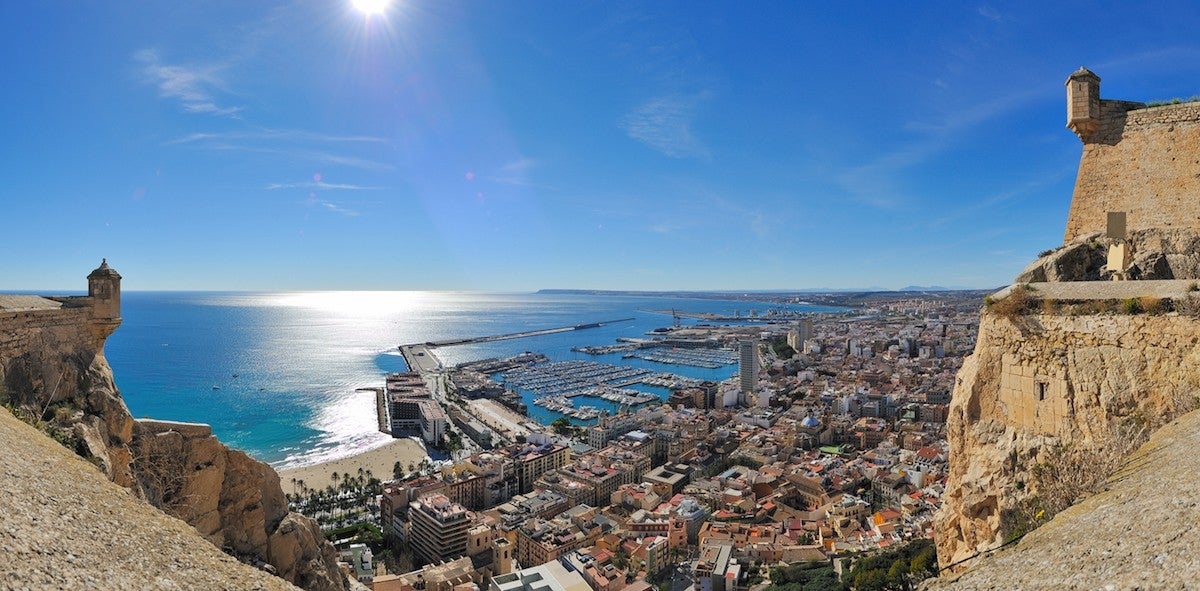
(1083, 103)
(104, 288)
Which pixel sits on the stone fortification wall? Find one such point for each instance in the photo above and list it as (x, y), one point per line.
(1041, 383)
(1145, 162)
(53, 359)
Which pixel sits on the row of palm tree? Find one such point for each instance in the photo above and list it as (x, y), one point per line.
(349, 498)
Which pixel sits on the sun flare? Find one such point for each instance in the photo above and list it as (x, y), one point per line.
(371, 7)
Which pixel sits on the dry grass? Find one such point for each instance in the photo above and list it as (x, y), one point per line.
(1187, 306)
(1151, 305)
(1018, 303)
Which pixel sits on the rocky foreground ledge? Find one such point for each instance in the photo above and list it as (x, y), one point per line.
(63, 525)
(1141, 533)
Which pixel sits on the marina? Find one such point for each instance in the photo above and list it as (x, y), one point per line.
(706, 358)
(555, 384)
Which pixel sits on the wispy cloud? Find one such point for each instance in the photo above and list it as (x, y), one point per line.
(294, 135)
(310, 155)
(665, 124)
(335, 208)
(319, 186)
(873, 182)
(989, 13)
(515, 173)
(329, 206)
(1031, 186)
(193, 86)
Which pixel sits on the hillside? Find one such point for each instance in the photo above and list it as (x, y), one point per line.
(1138, 534)
(63, 525)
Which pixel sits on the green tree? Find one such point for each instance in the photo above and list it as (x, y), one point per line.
(561, 425)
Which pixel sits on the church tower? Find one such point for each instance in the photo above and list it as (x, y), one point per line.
(104, 287)
(1083, 103)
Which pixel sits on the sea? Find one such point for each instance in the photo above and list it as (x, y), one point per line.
(277, 374)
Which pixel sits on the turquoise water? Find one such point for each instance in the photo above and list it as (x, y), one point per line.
(275, 373)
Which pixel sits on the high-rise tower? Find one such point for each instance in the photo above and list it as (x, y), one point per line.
(748, 365)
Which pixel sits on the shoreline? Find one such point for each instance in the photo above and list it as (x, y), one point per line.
(379, 461)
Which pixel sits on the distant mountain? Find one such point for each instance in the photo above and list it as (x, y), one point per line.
(934, 288)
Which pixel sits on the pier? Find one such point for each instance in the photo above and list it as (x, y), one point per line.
(524, 334)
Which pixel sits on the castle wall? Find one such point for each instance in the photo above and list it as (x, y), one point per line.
(34, 344)
(1145, 162)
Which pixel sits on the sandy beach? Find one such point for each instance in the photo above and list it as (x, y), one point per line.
(379, 461)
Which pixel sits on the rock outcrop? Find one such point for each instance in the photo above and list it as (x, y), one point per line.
(1138, 534)
(1157, 253)
(53, 371)
(63, 525)
(1040, 384)
(233, 500)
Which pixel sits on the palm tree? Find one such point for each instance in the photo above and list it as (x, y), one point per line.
(397, 471)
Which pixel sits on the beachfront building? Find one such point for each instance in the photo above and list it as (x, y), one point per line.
(432, 421)
(411, 409)
(438, 528)
(397, 497)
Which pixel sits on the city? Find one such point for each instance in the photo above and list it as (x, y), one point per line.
(826, 446)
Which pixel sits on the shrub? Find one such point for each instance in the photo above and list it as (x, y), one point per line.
(1017, 303)
(1049, 306)
(1194, 286)
(1187, 306)
(1047, 252)
(1131, 306)
(1151, 305)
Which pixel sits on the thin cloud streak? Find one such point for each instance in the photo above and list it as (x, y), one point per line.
(665, 124)
(312, 155)
(335, 208)
(192, 86)
(871, 183)
(319, 186)
(297, 135)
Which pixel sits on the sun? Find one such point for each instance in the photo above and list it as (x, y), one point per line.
(370, 7)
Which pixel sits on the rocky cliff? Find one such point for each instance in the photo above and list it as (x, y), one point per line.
(1050, 399)
(53, 373)
(63, 525)
(1138, 534)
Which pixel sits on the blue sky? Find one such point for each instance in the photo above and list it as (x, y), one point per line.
(524, 145)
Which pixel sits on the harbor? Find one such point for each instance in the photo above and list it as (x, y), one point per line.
(582, 390)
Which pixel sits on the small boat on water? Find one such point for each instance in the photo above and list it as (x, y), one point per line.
(216, 387)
